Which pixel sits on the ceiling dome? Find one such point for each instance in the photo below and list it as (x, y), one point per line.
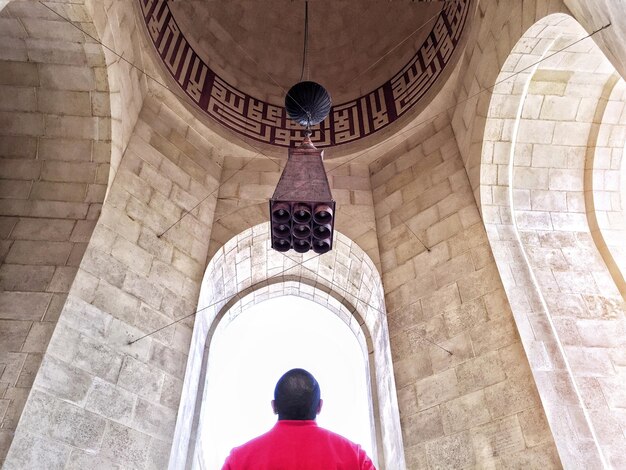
(236, 60)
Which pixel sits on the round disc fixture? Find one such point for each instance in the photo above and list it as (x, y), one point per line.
(307, 103)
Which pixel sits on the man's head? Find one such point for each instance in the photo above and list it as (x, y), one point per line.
(297, 396)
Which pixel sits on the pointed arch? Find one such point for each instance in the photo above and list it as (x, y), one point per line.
(536, 165)
(344, 280)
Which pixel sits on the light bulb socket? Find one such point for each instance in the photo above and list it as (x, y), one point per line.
(323, 214)
(282, 244)
(301, 231)
(281, 213)
(321, 246)
(301, 246)
(301, 213)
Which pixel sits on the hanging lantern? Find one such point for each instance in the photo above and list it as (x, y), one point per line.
(302, 208)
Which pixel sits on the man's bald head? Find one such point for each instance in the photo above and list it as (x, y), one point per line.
(297, 396)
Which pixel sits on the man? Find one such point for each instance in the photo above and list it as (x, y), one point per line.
(296, 442)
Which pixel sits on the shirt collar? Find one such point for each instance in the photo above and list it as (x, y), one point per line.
(296, 422)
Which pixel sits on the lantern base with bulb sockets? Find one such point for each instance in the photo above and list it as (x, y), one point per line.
(302, 211)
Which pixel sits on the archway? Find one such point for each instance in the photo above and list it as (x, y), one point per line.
(246, 270)
(255, 344)
(537, 205)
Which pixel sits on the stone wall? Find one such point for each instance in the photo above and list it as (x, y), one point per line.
(499, 26)
(538, 168)
(54, 165)
(118, 27)
(248, 183)
(98, 401)
(476, 406)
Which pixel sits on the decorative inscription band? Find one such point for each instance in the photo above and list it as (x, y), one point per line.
(269, 123)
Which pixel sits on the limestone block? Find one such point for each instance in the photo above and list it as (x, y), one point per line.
(453, 269)
(54, 307)
(171, 393)
(55, 52)
(167, 276)
(174, 173)
(63, 422)
(65, 381)
(566, 180)
(19, 169)
(104, 266)
(98, 359)
(32, 305)
(132, 256)
(79, 460)
(116, 302)
(535, 427)
(436, 389)
(19, 73)
(461, 348)
(43, 229)
(71, 172)
(510, 396)
(125, 446)
(67, 77)
(12, 336)
(594, 362)
(110, 401)
(560, 108)
(422, 427)
(465, 412)
(498, 438)
(141, 379)
(455, 451)
(13, 49)
(71, 192)
(575, 282)
(38, 338)
(534, 220)
(76, 103)
(494, 335)
(412, 368)
(158, 247)
(544, 456)
(29, 451)
(479, 372)
(14, 277)
(81, 127)
(17, 99)
(571, 133)
(44, 29)
(535, 132)
(155, 420)
(443, 230)
(65, 149)
(143, 289)
(443, 299)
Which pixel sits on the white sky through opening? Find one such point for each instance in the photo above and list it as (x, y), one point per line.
(249, 354)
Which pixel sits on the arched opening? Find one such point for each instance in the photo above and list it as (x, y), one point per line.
(540, 192)
(246, 271)
(251, 349)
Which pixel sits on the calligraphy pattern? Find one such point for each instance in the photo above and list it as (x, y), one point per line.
(268, 123)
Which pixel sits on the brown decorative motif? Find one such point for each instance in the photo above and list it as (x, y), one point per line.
(269, 123)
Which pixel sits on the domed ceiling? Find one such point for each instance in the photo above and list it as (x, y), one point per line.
(236, 59)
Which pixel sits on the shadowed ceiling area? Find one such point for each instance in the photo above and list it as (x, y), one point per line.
(236, 60)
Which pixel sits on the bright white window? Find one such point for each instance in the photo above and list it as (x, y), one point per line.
(249, 354)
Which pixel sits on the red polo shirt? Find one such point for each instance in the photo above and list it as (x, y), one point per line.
(298, 445)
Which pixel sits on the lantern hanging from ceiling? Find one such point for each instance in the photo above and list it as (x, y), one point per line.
(302, 209)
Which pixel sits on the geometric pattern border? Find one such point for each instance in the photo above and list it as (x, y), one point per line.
(268, 123)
